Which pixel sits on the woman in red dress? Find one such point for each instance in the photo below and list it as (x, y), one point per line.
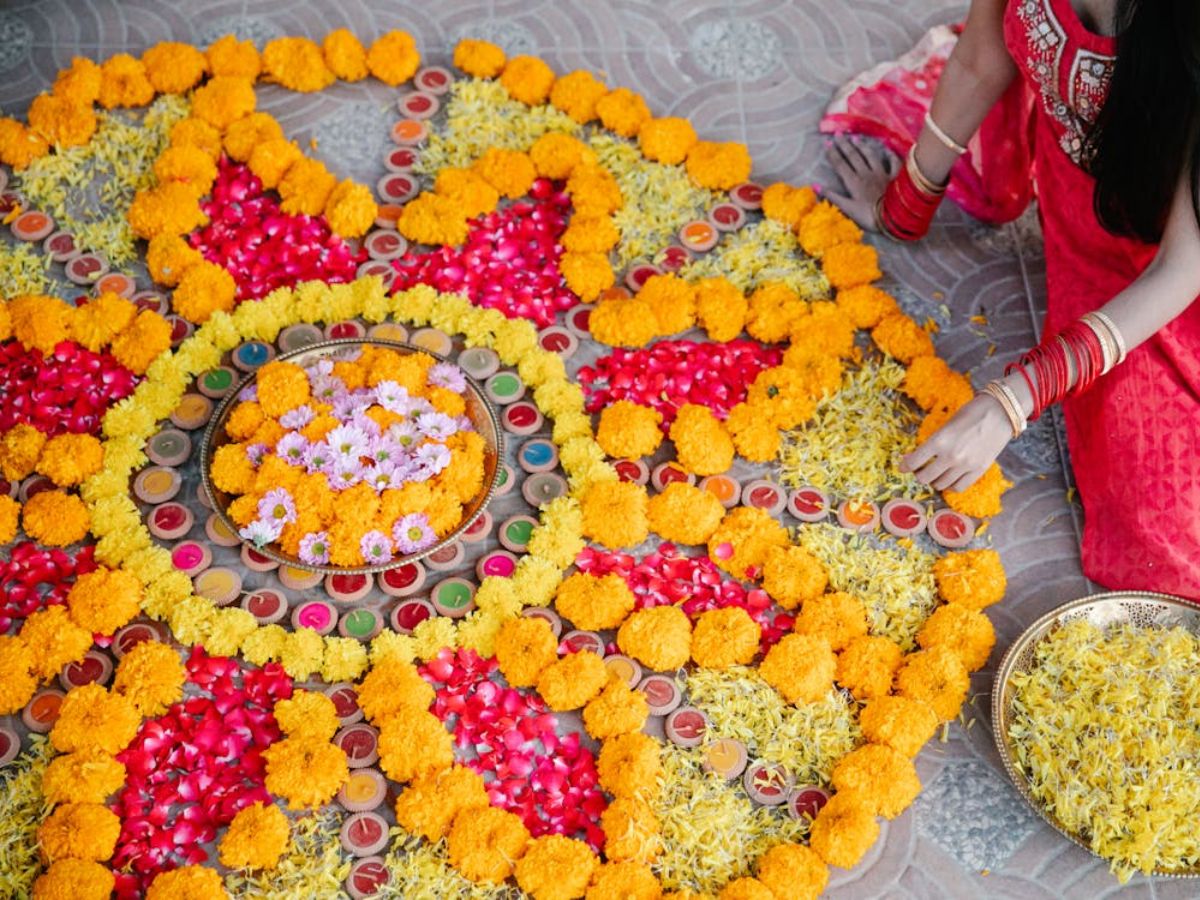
(1113, 88)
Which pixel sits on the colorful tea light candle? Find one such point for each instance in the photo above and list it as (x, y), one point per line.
(364, 834)
(365, 790)
(385, 245)
(505, 479)
(479, 362)
(9, 488)
(41, 712)
(32, 226)
(515, 533)
(444, 559)
(726, 757)
(727, 490)
(662, 694)
(521, 418)
(318, 615)
(257, 562)
(85, 268)
(672, 258)
(218, 532)
(388, 331)
(347, 330)
(504, 387)
(557, 339)
(767, 783)
(402, 581)
(397, 187)
(193, 412)
(157, 484)
(345, 587)
(418, 105)
(550, 616)
(218, 584)
(578, 640)
(170, 447)
(667, 473)
(181, 329)
(951, 529)
(538, 455)
(131, 635)
(498, 564)
(10, 746)
(409, 132)
(747, 195)
(699, 236)
(33, 486)
(628, 670)
(579, 321)
(151, 300)
(298, 579)
(267, 605)
(367, 877)
(639, 274)
(727, 217)
(808, 504)
(858, 515)
(903, 518)
(410, 613)
(253, 355)
(478, 530)
(115, 283)
(60, 246)
(432, 339)
(360, 743)
(361, 624)
(806, 800)
(453, 597)
(686, 727)
(170, 521)
(344, 697)
(401, 159)
(434, 80)
(216, 383)
(191, 558)
(540, 489)
(632, 470)
(765, 496)
(94, 668)
(299, 336)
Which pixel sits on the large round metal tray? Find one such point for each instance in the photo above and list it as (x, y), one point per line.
(479, 410)
(1142, 608)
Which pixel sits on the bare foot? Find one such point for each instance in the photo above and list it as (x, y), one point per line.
(865, 170)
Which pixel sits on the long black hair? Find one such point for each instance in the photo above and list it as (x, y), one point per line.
(1148, 132)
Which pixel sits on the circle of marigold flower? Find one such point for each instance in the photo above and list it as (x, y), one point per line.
(623, 112)
(556, 867)
(667, 140)
(297, 63)
(745, 889)
(792, 575)
(123, 82)
(594, 234)
(17, 682)
(62, 121)
(142, 342)
(886, 779)
(193, 132)
(527, 79)
(80, 81)
(484, 844)
(39, 322)
(867, 665)
(572, 681)
(525, 647)
(429, 805)
(721, 308)
(480, 59)
(725, 637)
(623, 322)
(104, 600)
(393, 57)
(594, 602)
(308, 714)
(588, 275)
(257, 837)
(844, 830)
(631, 831)
(717, 166)
(304, 771)
(555, 155)
(629, 765)
(618, 709)
(982, 499)
(624, 881)
(92, 718)
(19, 146)
(838, 617)
(391, 686)
(744, 538)
(174, 67)
(936, 676)
(577, 94)
(794, 871)
(53, 640)
(74, 879)
(168, 208)
(901, 723)
(413, 744)
(973, 579)
(659, 638)
(192, 167)
(684, 513)
(345, 55)
(79, 831)
(85, 776)
(801, 667)
(187, 883)
(786, 204)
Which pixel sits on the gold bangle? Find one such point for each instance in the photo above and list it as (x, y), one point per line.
(1108, 346)
(948, 142)
(1004, 395)
(920, 179)
(1115, 333)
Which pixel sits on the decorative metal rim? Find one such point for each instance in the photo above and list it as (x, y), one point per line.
(217, 422)
(1002, 699)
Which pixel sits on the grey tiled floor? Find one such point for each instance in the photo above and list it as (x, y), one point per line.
(759, 71)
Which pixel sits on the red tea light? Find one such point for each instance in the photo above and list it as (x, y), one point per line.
(727, 217)
(31, 487)
(115, 283)
(170, 447)
(10, 746)
(765, 496)
(432, 339)
(257, 562)
(504, 387)
(808, 504)
(388, 214)
(540, 489)
(41, 712)
(318, 615)
(550, 616)
(131, 635)
(724, 488)
(218, 532)
(344, 697)
(378, 269)
(409, 132)
(367, 877)
(170, 521)
(628, 670)
(538, 455)
(672, 258)
(298, 579)
(191, 558)
(9, 200)
(360, 743)
(60, 246)
(453, 597)
(157, 484)
(478, 530)
(401, 159)
(951, 529)
(32, 226)
(522, 418)
(365, 790)
(419, 105)
(9, 488)
(434, 80)
(192, 413)
(349, 329)
(632, 470)
(806, 800)
(444, 559)
(181, 329)
(578, 641)
(151, 300)
(662, 694)
(726, 757)
(557, 339)
(497, 564)
(640, 274)
(767, 783)
(747, 195)
(86, 268)
(388, 331)
(364, 834)
(403, 581)
(668, 473)
(858, 515)
(686, 727)
(220, 585)
(506, 479)
(94, 668)
(479, 362)
(347, 587)
(699, 237)
(410, 613)
(515, 533)
(579, 321)
(216, 383)
(267, 605)
(362, 624)
(903, 518)
(397, 187)
(385, 245)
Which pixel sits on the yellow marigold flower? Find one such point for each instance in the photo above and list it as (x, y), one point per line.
(351, 209)
(187, 883)
(930, 382)
(98, 321)
(151, 677)
(233, 58)
(296, 63)
(468, 189)
(168, 208)
(509, 171)
(792, 575)
(484, 844)
(623, 322)
(631, 831)
(17, 682)
(725, 637)
(660, 638)
(718, 167)
(393, 58)
(838, 617)
(173, 67)
(224, 100)
(307, 714)
(967, 632)
(825, 332)
(69, 459)
(142, 342)
(844, 830)
(305, 772)
(936, 676)
(622, 111)
(480, 59)
(305, 187)
(793, 871)
(434, 219)
(588, 275)
(572, 681)
(204, 289)
(801, 667)
(614, 514)
(866, 305)
(74, 879)
(673, 301)
(982, 499)
(887, 780)
(624, 881)
(536, 580)
(667, 140)
(743, 540)
(61, 121)
(123, 82)
(720, 308)
(618, 709)
(555, 155)
(773, 312)
(79, 82)
(271, 160)
(91, 718)
(901, 723)
(595, 234)
(10, 511)
(282, 386)
(40, 322)
(629, 766)
(577, 94)
(973, 579)
(684, 513)
(527, 79)
(899, 336)
(851, 265)
(345, 55)
(702, 445)
(745, 889)
(594, 602)
(79, 831)
(560, 536)
(20, 448)
(248, 132)
(257, 838)
(867, 665)
(56, 519)
(104, 600)
(555, 867)
(824, 227)
(788, 205)
(429, 805)
(413, 744)
(593, 190)
(19, 146)
(629, 430)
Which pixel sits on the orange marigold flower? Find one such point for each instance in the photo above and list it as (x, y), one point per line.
(187, 883)
(866, 305)
(618, 709)
(744, 538)
(296, 63)
(555, 867)
(851, 265)
(792, 575)
(577, 94)
(40, 322)
(594, 191)
(588, 275)
(270, 160)
(824, 227)
(480, 59)
(345, 55)
(844, 830)
(168, 257)
(142, 342)
(867, 665)
(673, 301)
(123, 82)
(193, 132)
(899, 336)
(825, 332)
(793, 871)
(223, 100)
(305, 772)
(725, 637)
(56, 519)
(901, 723)
(308, 714)
(169, 208)
(351, 209)
(718, 167)
(624, 881)
(79, 831)
(631, 831)
(659, 638)
(306, 187)
(509, 171)
(930, 382)
(623, 322)
(257, 837)
(628, 430)
(91, 718)
(982, 499)
(104, 600)
(528, 79)
(745, 889)
(74, 879)
(572, 681)
(63, 122)
(936, 676)
(471, 192)
(555, 155)
(150, 676)
(594, 602)
(17, 682)
(282, 386)
(525, 647)
(248, 132)
(667, 140)
(20, 448)
(10, 512)
(788, 205)
(393, 58)
(801, 667)
(967, 632)
(702, 445)
(754, 431)
(413, 744)
(594, 234)
(614, 514)
(838, 617)
(231, 470)
(623, 111)
(887, 780)
(973, 579)
(429, 805)
(204, 289)
(19, 146)
(390, 687)
(721, 308)
(484, 844)
(80, 82)
(190, 166)
(173, 67)
(233, 58)
(773, 312)
(684, 513)
(629, 765)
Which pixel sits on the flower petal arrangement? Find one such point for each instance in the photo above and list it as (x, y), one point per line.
(690, 646)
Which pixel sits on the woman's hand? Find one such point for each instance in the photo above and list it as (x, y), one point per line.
(959, 452)
(865, 170)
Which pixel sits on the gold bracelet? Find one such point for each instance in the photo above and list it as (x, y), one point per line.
(1115, 333)
(1108, 346)
(920, 179)
(1004, 395)
(948, 142)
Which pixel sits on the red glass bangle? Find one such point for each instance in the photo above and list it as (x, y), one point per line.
(905, 210)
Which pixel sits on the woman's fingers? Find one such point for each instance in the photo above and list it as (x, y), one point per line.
(967, 480)
(947, 478)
